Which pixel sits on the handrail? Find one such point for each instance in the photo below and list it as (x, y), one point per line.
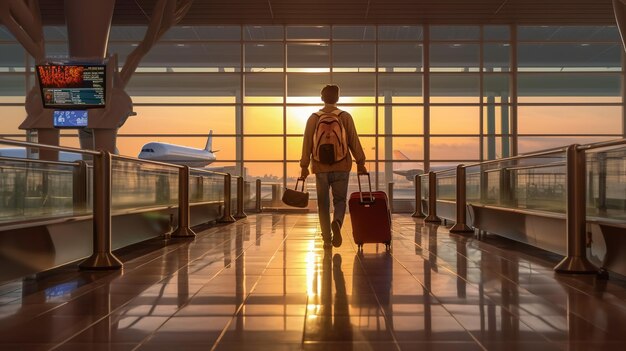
(47, 147)
(206, 171)
(138, 160)
(36, 160)
(602, 144)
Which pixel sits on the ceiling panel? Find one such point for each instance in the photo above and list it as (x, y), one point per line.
(363, 11)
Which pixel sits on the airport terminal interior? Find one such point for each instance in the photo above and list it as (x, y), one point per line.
(146, 146)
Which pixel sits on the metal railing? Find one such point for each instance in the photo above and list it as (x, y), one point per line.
(102, 167)
(554, 180)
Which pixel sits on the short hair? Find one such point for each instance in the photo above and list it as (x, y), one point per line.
(330, 94)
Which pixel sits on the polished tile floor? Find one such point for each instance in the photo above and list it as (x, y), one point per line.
(265, 283)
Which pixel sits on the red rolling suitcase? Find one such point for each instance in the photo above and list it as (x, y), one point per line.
(370, 217)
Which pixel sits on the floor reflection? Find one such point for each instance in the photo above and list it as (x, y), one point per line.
(266, 283)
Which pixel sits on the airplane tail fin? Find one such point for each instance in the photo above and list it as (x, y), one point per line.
(399, 155)
(209, 143)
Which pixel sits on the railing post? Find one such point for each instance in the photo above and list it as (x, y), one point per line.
(240, 211)
(390, 196)
(183, 230)
(227, 217)
(102, 257)
(418, 197)
(258, 196)
(505, 187)
(432, 199)
(576, 216)
(461, 201)
(79, 188)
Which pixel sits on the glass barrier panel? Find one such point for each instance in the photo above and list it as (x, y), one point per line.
(205, 187)
(446, 186)
(606, 184)
(31, 190)
(138, 185)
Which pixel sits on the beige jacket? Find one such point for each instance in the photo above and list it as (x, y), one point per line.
(354, 145)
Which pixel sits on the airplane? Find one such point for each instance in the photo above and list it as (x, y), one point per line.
(178, 154)
(411, 173)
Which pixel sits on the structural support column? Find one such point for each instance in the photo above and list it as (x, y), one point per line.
(418, 197)
(183, 230)
(576, 216)
(461, 193)
(102, 257)
(432, 199)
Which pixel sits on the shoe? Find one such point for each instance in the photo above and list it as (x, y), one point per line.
(335, 226)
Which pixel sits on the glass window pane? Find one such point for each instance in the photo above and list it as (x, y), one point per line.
(400, 33)
(355, 87)
(530, 144)
(354, 33)
(400, 88)
(457, 148)
(569, 119)
(497, 57)
(269, 173)
(569, 87)
(12, 88)
(454, 57)
(569, 57)
(497, 33)
(263, 120)
(264, 57)
(297, 117)
(213, 57)
(6, 35)
(121, 33)
(496, 147)
(184, 87)
(263, 148)
(496, 119)
(13, 55)
(354, 57)
(308, 32)
(568, 33)
(264, 88)
(12, 117)
(496, 88)
(263, 33)
(400, 57)
(306, 87)
(454, 32)
(308, 57)
(454, 120)
(189, 33)
(401, 120)
(181, 119)
(294, 148)
(402, 148)
(455, 88)
(364, 118)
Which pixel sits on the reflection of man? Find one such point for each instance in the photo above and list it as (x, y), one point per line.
(334, 325)
(331, 162)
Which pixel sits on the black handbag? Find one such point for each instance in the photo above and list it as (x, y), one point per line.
(295, 198)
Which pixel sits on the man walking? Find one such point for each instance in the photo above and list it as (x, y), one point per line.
(328, 136)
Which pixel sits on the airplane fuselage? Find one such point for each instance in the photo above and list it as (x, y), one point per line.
(181, 155)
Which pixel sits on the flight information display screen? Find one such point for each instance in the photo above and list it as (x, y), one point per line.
(70, 118)
(72, 86)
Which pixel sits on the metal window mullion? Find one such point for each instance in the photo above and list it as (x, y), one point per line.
(242, 92)
(376, 107)
(426, 92)
(285, 106)
(513, 86)
(481, 82)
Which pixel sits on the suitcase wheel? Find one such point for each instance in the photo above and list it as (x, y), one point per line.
(388, 245)
(359, 246)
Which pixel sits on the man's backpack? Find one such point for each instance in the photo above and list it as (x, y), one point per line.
(330, 143)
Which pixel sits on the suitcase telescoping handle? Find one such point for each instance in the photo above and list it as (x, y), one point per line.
(297, 181)
(369, 181)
